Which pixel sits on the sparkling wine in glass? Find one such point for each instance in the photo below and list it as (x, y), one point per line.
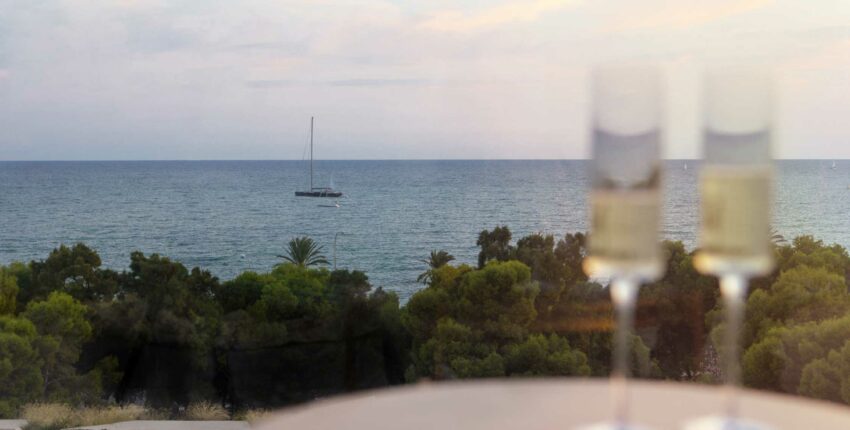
(625, 202)
(735, 204)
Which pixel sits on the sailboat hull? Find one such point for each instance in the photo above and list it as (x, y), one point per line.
(316, 191)
(322, 193)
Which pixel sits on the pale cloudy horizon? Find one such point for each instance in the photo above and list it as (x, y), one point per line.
(470, 79)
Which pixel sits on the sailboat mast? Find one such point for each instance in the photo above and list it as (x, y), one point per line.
(311, 153)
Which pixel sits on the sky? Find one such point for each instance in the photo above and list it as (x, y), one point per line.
(435, 79)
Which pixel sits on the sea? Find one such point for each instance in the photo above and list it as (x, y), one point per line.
(231, 216)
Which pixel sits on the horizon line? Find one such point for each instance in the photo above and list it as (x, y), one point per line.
(81, 160)
(148, 160)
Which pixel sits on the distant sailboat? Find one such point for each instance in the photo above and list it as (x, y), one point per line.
(316, 191)
(833, 165)
(685, 167)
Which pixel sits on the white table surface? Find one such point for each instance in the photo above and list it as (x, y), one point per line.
(546, 404)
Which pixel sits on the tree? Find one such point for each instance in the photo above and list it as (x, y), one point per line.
(303, 251)
(795, 318)
(828, 378)
(476, 323)
(8, 291)
(495, 245)
(309, 286)
(777, 360)
(801, 294)
(570, 253)
(537, 251)
(75, 270)
(241, 292)
(776, 238)
(436, 260)
(542, 355)
(675, 308)
(61, 323)
(20, 365)
(557, 268)
(457, 351)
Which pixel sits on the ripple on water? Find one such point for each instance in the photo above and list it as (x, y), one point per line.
(394, 214)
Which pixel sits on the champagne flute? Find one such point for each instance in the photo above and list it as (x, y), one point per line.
(625, 202)
(735, 192)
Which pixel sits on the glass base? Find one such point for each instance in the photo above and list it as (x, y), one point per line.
(613, 426)
(725, 423)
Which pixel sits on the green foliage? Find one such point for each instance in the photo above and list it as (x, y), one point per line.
(177, 306)
(555, 266)
(303, 251)
(277, 302)
(61, 323)
(777, 360)
(675, 307)
(495, 245)
(807, 251)
(20, 365)
(542, 355)
(828, 378)
(796, 326)
(499, 299)
(457, 351)
(436, 260)
(8, 291)
(801, 294)
(537, 251)
(309, 286)
(241, 292)
(75, 271)
(73, 332)
(475, 323)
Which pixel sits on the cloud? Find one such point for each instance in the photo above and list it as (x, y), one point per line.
(156, 32)
(375, 82)
(456, 21)
(681, 15)
(272, 83)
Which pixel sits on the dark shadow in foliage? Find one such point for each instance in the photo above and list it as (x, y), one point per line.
(310, 333)
(671, 315)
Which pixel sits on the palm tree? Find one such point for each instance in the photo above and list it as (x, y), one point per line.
(304, 252)
(437, 260)
(776, 238)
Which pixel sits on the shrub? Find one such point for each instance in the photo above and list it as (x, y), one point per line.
(51, 416)
(206, 411)
(47, 416)
(252, 416)
(107, 415)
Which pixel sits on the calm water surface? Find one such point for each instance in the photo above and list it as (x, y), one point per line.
(231, 216)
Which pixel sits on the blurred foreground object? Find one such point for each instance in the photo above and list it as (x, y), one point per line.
(545, 404)
(735, 191)
(625, 202)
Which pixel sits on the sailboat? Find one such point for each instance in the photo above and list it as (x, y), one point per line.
(833, 165)
(316, 191)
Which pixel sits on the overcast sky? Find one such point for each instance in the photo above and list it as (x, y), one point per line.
(213, 79)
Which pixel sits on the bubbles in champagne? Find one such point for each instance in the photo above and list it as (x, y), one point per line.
(735, 190)
(626, 206)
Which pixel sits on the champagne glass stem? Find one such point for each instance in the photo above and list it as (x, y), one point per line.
(623, 295)
(732, 288)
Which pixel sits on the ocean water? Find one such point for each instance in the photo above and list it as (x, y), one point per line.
(231, 216)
